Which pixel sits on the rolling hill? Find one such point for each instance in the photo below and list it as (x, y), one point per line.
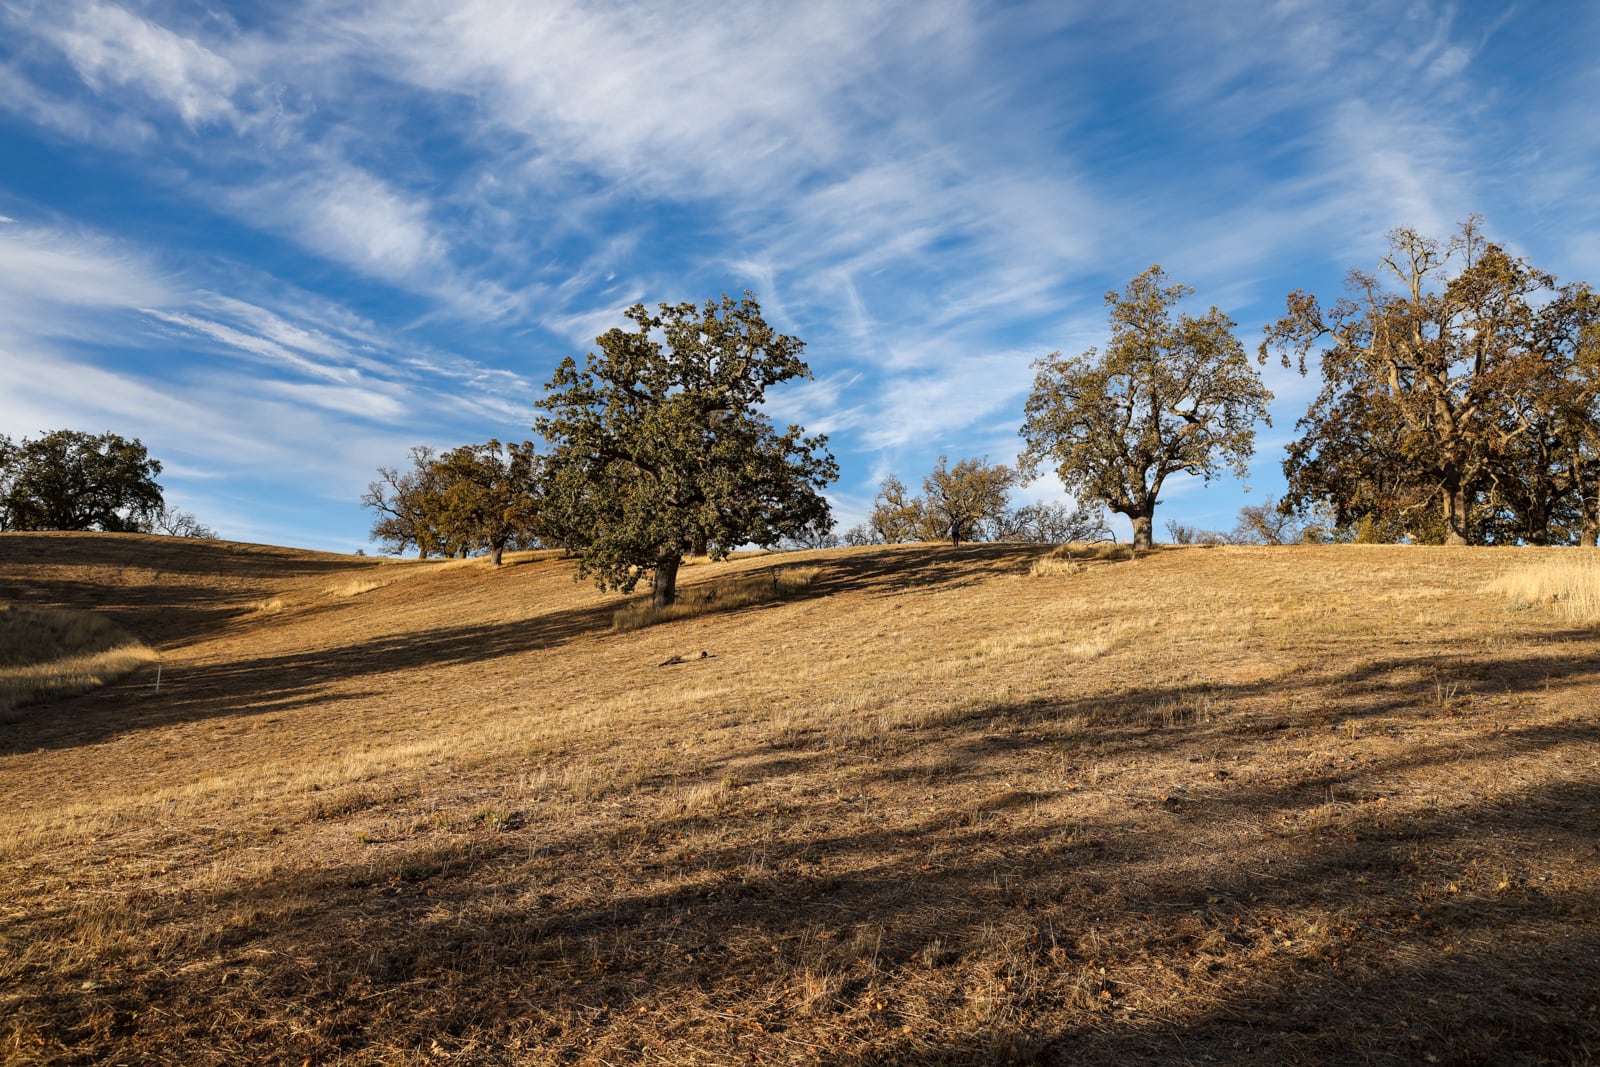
(1308, 804)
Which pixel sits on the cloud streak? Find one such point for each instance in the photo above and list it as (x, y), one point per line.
(394, 218)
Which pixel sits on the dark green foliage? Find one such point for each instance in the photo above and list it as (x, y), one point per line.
(70, 480)
(658, 446)
(487, 497)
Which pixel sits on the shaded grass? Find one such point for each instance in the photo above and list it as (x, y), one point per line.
(47, 654)
(723, 594)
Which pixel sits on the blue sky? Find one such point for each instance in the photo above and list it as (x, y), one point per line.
(282, 243)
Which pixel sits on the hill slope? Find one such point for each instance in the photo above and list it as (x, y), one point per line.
(1252, 804)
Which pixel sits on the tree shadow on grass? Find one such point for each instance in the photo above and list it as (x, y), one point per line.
(280, 682)
(785, 935)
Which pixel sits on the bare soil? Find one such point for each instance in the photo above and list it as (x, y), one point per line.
(1230, 805)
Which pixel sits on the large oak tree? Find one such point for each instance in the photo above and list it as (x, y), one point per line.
(71, 480)
(1168, 396)
(1458, 395)
(658, 445)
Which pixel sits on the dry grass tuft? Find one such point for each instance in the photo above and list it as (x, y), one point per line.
(743, 591)
(47, 654)
(1569, 584)
(355, 587)
(1055, 566)
(270, 606)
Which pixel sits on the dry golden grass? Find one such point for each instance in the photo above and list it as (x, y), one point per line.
(1569, 584)
(1304, 804)
(49, 654)
(355, 587)
(725, 594)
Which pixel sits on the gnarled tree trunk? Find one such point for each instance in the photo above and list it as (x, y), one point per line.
(1141, 530)
(665, 593)
(1455, 514)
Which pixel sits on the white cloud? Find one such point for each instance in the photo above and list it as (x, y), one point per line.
(253, 344)
(666, 99)
(348, 215)
(113, 49)
(363, 402)
(958, 392)
(64, 283)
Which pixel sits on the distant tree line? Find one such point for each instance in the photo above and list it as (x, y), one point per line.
(72, 480)
(1459, 406)
(970, 501)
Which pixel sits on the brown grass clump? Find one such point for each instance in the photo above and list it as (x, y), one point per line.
(1569, 584)
(1307, 804)
(725, 594)
(49, 654)
(355, 587)
(1055, 565)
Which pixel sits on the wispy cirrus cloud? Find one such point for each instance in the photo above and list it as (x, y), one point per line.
(421, 205)
(114, 50)
(321, 392)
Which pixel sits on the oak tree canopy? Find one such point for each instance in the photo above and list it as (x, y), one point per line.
(658, 445)
(71, 480)
(1458, 400)
(1167, 397)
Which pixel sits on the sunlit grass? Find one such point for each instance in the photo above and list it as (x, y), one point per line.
(1569, 585)
(46, 654)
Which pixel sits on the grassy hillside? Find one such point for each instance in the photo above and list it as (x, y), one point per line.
(1212, 805)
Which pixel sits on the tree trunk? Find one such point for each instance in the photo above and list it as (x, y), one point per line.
(1141, 530)
(495, 552)
(666, 579)
(697, 545)
(1455, 515)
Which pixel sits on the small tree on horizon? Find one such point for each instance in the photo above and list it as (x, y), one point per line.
(171, 523)
(1167, 397)
(896, 516)
(1051, 524)
(957, 500)
(487, 497)
(400, 498)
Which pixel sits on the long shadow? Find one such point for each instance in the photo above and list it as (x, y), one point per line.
(921, 945)
(162, 589)
(172, 555)
(926, 567)
(280, 682)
